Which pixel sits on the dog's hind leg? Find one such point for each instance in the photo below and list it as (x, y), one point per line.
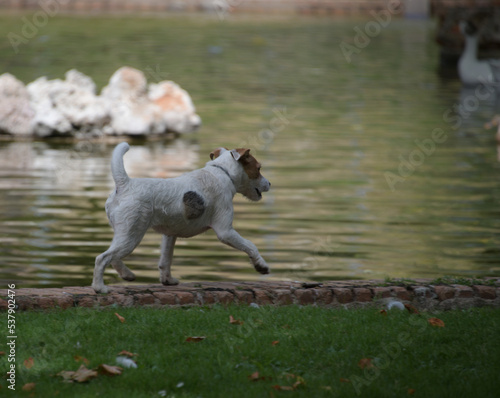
(122, 245)
(167, 252)
(123, 271)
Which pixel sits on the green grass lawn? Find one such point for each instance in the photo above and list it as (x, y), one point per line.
(297, 351)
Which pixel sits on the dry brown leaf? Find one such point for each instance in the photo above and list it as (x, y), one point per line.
(83, 374)
(29, 387)
(365, 363)
(79, 358)
(436, 322)
(282, 388)
(67, 375)
(195, 339)
(2, 353)
(127, 354)
(254, 376)
(383, 312)
(28, 363)
(122, 319)
(300, 382)
(411, 391)
(109, 370)
(233, 321)
(342, 380)
(411, 309)
(275, 342)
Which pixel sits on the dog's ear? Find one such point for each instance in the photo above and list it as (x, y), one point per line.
(216, 153)
(240, 153)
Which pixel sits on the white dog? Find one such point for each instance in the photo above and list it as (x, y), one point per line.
(179, 207)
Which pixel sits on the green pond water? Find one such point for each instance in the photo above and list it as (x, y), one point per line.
(374, 173)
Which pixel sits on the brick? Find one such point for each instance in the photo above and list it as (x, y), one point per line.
(243, 296)
(400, 292)
(464, 291)
(262, 297)
(25, 303)
(381, 292)
(362, 294)
(4, 305)
(185, 298)
(145, 299)
(485, 292)
(324, 296)
(444, 292)
(106, 300)
(343, 295)
(283, 297)
(45, 303)
(87, 301)
(208, 298)
(305, 296)
(224, 298)
(64, 302)
(165, 298)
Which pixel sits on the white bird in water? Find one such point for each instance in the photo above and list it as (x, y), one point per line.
(471, 70)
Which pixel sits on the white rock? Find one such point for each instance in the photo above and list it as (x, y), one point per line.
(126, 106)
(126, 362)
(175, 107)
(16, 113)
(63, 106)
(130, 110)
(395, 304)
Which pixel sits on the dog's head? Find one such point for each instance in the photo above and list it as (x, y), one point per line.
(250, 183)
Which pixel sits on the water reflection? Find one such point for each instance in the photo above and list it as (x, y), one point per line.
(331, 213)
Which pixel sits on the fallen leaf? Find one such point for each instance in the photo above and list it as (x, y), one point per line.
(411, 391)
(122, 319)
(383, 312)
(254, 376)
(83, 374)
(411, 309)
(275, 342)
(365, 363)
(109, 370)
(195, 338)
(79, 358)
(342, 380)
(300, 382)
(28, 363)
(283, 388)
(29, 387)
(127, 354)
(2, 353)
(67, 375)
(436, 322)
(233, 321)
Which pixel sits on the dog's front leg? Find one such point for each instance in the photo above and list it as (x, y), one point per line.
(167, 252)
(232, 238)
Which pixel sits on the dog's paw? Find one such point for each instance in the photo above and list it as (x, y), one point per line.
(261, 267)
(100, 288)
(128, 276)
(170, 281)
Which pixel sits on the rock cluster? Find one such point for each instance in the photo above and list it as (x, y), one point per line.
(71, 107)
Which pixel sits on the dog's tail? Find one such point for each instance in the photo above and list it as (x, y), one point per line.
(117, 169)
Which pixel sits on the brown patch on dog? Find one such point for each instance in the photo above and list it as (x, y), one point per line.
(216, 153)
(249, 163)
